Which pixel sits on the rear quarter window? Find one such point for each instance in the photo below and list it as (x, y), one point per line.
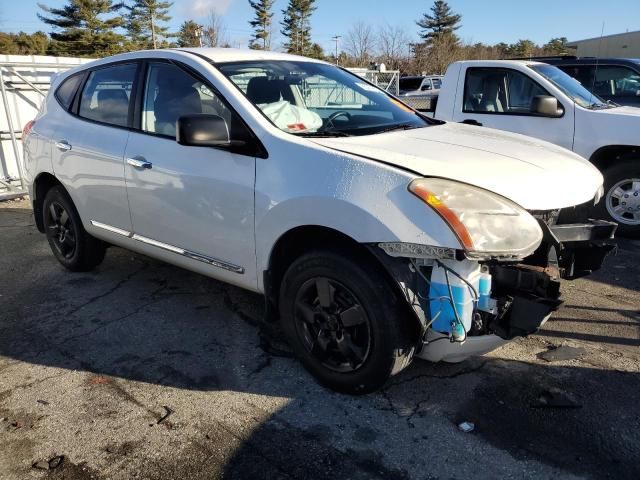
(66, 91)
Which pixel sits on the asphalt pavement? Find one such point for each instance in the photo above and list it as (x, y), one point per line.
(142, 370)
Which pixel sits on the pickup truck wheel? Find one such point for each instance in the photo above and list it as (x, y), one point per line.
(343, 321)
(74, 248)
(621, 200)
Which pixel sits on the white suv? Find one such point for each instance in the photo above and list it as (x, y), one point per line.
(375, 234)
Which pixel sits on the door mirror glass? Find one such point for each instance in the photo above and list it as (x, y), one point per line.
(426, 87)
(203, 130)
(546, 105)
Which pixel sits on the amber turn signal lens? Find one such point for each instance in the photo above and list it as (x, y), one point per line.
(447, 214)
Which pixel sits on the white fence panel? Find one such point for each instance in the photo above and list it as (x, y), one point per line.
(25, 80)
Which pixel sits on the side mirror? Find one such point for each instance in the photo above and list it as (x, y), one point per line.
(202, 130)
(426, 87)
(546, 106)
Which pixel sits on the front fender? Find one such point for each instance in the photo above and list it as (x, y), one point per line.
(363, 199)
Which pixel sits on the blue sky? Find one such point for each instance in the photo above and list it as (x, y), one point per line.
(488, 21)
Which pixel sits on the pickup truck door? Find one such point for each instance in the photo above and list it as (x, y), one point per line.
(501, 98)
(194, 204)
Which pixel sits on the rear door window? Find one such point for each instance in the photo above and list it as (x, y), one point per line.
(107, 95)
(67, 90)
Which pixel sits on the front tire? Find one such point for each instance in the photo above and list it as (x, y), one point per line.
(621, 202)
(344, 322)
(70, 243)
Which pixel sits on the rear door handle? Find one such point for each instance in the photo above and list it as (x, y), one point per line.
(139, 163)
(470, 121)
(63, 145)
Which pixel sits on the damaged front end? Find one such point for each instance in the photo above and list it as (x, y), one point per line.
(470, 306)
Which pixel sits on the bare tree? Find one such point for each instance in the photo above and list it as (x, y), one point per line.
(360, 43)
(392, 44)
(215, 31)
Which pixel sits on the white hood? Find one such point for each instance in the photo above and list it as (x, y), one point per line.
(535, 174)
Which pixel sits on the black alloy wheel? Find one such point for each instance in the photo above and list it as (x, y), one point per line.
(70, 243)
(344, 320)
(62, 231)
(333, 325)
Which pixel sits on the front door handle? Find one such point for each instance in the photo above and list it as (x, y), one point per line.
(470, 121)
(139, 163)
(63, 145)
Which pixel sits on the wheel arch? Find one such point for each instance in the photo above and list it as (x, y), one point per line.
(306, 238)
(41, 185)
(607, 156)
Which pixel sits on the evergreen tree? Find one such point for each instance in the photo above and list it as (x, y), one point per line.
(261, 24)
(84, 28)
(24, 43)
(556, 46)
(296, 26)
(316, 51)
(146, 25)
(442, 21)
(190, 34)
(523, 49)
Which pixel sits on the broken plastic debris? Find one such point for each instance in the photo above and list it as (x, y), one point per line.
(466, 427)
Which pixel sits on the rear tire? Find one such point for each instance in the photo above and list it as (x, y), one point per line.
(344, 322)
(70, 243)
(621, 201)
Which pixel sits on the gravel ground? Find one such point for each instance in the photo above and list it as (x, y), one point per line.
(142, 370)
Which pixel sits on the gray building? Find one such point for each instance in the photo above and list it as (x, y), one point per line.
(619, 45)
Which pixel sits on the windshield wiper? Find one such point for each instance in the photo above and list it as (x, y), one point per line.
(600, 106)
(328, 133)
(400, 126)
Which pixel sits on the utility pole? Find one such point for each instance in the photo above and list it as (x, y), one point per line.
(153, 30)
(336, 38)
(199, 34)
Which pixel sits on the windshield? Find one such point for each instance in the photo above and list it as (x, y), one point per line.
(570, 87)
(317, 99)
(410, 83)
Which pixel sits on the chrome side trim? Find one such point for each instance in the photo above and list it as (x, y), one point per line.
(191, 255)
(155, 243)
(215, 262)
(171, 248)
(111, 229)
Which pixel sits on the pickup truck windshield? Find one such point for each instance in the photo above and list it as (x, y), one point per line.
(570, 87)
(317, 99)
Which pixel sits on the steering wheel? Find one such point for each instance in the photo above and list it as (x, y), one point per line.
(340, 113)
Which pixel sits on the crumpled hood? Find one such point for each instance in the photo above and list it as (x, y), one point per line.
(533, 173)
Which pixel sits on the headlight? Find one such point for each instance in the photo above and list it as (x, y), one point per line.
(485, 223)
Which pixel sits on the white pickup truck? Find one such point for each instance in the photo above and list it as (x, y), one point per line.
(541, 101)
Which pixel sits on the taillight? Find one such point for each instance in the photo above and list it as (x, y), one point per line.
(27, 128)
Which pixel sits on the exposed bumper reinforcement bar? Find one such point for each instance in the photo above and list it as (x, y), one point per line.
(582, 247)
